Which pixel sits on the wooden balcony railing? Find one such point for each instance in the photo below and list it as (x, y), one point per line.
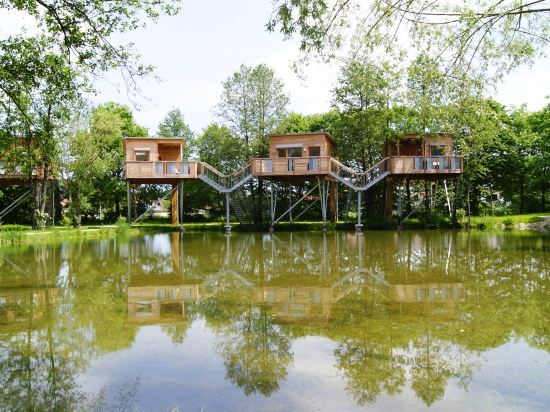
(425, 164)
(291, 166)
(155, 170)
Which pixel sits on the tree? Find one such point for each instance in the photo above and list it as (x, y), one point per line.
(363, 95)
(113, 188)
(83, 32)
(36, 102)
(92, 158)
(173, 125)
(472, 35)
(253, 102)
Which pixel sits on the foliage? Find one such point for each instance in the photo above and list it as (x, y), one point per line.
(492, 36)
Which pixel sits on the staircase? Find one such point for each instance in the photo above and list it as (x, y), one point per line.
(359, 181)
(14, 205)
(221, 182)
(238, 205)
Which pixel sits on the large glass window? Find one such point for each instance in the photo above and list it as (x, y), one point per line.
(142, 155)
(315, 151)
(437, 150)
(295, 152)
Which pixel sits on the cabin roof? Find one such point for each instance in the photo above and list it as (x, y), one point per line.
(417, 136)
(161, 139)
(326, 134)
(154, 139)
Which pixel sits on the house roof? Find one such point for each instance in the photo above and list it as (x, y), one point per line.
(326, 134)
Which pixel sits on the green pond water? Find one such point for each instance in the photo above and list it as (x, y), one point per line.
(205, 322)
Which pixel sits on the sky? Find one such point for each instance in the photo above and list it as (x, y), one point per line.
(195, 51)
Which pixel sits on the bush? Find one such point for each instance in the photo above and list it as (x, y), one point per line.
(462, 218)
(122, 225)
(66, 221)
(431, 220)
(41, 219)
(508, 223)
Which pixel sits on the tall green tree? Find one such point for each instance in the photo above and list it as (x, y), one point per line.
(253, 102)
(36, 100)
(173, 125)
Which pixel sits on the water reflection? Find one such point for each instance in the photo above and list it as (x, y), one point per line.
(403, 310)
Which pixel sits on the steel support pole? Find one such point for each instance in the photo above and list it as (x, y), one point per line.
(180, 203)
(358, 226)
(323, 198)
(290, 202)
(227, 224)
(129, 202)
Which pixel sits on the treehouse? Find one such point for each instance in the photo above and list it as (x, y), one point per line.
(299, 305)
(11, 172)
(157, 160)
(296, 155)
(423, 157)
(159, 301)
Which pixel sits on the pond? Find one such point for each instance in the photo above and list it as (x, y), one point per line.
(286, 321)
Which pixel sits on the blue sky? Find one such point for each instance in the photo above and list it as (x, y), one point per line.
(196, 50)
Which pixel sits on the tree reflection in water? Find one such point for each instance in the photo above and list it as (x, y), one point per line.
(403, 310)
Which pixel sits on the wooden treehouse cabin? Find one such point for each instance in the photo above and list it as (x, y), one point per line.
(426, 157)
(155, 160)
(414, 157)
(294, 156)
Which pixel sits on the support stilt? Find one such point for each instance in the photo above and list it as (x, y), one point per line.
(175, 208)
(358, 226)
(180, 204)
(333, 201)
(272, 205)
(290, 203)
(323, 195)
(389, 200)
(227, 223)
(129, 202)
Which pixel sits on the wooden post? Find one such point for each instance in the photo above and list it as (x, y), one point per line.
(333, 201)
(389, 200)
(175, 219)
(180, 202)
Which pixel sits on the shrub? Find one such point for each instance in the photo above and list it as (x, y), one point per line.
(431, 220)
(41, 219)
(508, 223)
(66, 221)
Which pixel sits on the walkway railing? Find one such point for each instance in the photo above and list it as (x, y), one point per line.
(291, 166)
(161, 169)
(359, 180)
(224, 182)
(426, 164)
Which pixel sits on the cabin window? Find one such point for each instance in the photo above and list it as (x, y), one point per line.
(437, 150)
(282, 152)
(142, 155)
(314, 151)
(295, 152)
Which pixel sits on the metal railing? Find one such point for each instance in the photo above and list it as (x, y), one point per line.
(226, 181)
(169, 168)
(356, 179)
(154, 169)
(452, 163)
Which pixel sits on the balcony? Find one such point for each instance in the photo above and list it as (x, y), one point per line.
(425, 165)
(138, 170)
(291, 166)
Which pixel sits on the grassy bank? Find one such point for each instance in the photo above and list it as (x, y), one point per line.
(24, 234)
(508, 222)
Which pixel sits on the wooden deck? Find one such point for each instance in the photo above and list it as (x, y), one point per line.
(425, 165)
(421, 167)
(160, 171)
(291, 166)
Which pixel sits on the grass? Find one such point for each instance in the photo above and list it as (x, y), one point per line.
(498, 222)
(10, 234)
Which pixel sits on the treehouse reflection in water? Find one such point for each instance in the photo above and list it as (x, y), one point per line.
(276, 321)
